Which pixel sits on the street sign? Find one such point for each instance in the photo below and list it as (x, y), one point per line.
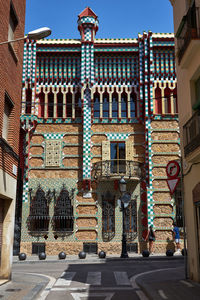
(172, 184)
(173, 169)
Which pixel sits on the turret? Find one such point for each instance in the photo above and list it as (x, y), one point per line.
(87, 25)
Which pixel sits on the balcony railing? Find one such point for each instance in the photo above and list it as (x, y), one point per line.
(191, 131)
(115, 168)
(189, 29)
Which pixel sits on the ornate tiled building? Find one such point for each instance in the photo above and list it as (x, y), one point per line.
(94, 110)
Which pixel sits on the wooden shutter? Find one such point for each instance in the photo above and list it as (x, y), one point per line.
(106, 150)
(129, 150)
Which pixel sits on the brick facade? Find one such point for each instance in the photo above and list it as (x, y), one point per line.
(11, 62)
(90, 97)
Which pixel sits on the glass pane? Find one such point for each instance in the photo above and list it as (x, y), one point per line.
(124, 106)
(114, 106)
(132, 105)
(105, 106)
(96, 107)
(113, 156)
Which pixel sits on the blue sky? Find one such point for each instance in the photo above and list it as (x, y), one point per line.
(117, 18)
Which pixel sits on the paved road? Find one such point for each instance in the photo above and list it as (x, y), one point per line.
(95, 281)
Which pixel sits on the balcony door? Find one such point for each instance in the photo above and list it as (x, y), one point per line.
(118, 156)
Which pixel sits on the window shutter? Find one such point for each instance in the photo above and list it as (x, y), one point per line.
(129, 150)
(106, 150)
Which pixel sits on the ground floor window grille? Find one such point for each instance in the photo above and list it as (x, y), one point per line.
(108, 217)
(63, 218)
(38, 248)
(38, 219)
(90, 248)
(132, 247)
(131, 220)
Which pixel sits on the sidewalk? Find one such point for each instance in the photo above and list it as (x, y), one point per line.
(168, 284)
(94, 258)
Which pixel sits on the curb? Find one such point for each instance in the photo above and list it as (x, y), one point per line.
(102, 260)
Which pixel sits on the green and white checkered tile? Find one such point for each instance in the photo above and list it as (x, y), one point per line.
(53, 136)
(117, 136)
(25, 192)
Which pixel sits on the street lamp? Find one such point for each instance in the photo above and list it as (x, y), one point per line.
(124, 202)
(36, 34)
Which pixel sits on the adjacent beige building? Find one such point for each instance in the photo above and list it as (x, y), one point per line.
(187, 32)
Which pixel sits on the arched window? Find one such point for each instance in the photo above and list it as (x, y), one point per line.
(78, 104)
(131, 220)
(50, 105)
(63, 218)
(59, 105)
(38, 219)
(105, 105)
(41, 105)
(158, 101)
(124, 106)
(114, 105)
(108, 216)
(167, 100)
(28, 100)
(69, 105)
(133, 105)
(96, 106)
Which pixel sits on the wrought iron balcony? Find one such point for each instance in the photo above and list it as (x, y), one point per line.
(116, 168)
(189, 29)
(191, 131)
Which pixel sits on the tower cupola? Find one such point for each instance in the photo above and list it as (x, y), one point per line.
(88, 25)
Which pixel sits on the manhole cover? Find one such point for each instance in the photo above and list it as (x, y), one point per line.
(13, 290)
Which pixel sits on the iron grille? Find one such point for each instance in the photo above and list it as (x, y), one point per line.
(132, 247)
(131, 221)
(90, 248)
(188, 30)
(108, 217)
(63, 218)
(38, 248)
(114, 167)
(192, 133)
(38, 219)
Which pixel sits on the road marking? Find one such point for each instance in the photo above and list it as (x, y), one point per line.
(136, 286)
(187, 283)
(162, 294)
(48, 287)
(78, 296)
(141, 295)
(66, 279)
(94, 278)
(121, 278)
(91, 288)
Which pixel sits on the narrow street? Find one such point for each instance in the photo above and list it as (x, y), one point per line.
(89, 279)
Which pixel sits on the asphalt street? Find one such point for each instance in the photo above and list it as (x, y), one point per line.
(84, 279)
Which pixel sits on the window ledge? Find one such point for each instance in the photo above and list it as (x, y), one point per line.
(13, 52)
(4, 144)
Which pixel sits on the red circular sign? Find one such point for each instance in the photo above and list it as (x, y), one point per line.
(173, 169)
